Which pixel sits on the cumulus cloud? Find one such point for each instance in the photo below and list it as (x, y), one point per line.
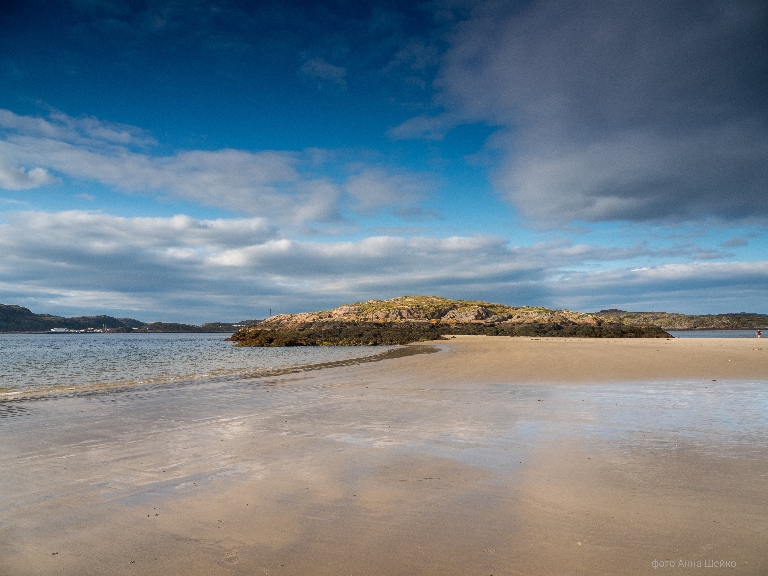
(14, 178)
(617, 111)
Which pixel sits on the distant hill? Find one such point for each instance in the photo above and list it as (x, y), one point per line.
(420, 318)
(673, 321)
(19, 319)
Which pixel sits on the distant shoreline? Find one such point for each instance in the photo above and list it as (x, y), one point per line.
(16, 319)
(81, 333)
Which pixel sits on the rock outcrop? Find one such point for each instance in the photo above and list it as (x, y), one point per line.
(419, 318)
(432, 309)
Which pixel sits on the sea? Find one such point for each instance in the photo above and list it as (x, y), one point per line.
(714, 333)
(50, 363)
(58, 363)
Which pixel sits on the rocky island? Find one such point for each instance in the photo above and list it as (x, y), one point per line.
(420, 318)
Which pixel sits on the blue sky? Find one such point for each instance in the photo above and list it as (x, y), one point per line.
(197, 160)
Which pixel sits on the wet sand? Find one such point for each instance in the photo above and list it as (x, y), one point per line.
(494, 456)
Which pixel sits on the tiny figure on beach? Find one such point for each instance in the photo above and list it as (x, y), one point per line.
(759, 334)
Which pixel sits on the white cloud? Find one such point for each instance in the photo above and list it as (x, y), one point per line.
(256, 183)
(374, 189)
(208, 269)
(198, 270)
(84, 231)
(428, 127)
(266, 183)
(14, 178)
(84, 130)
(287, 187)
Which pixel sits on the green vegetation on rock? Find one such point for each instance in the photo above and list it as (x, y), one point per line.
(419, 318)
(434, 309)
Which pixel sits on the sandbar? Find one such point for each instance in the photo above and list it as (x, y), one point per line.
(492, 456)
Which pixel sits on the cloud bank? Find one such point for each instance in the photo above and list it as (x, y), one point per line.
(181, 268)
(611, 110)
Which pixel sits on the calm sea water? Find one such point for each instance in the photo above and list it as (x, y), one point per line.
(37, 362)
(715, 333)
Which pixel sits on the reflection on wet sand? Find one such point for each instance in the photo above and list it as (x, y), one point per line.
(448, 463)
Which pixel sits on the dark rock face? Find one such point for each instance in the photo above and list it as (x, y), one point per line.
(468, 314)
(340, 333)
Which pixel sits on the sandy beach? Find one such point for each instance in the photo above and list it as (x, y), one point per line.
(490, 456)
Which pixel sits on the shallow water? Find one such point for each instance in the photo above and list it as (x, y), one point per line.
(347, 454)
(37, 362)
(713, 333)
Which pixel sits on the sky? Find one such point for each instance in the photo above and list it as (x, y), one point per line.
(194, 161)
